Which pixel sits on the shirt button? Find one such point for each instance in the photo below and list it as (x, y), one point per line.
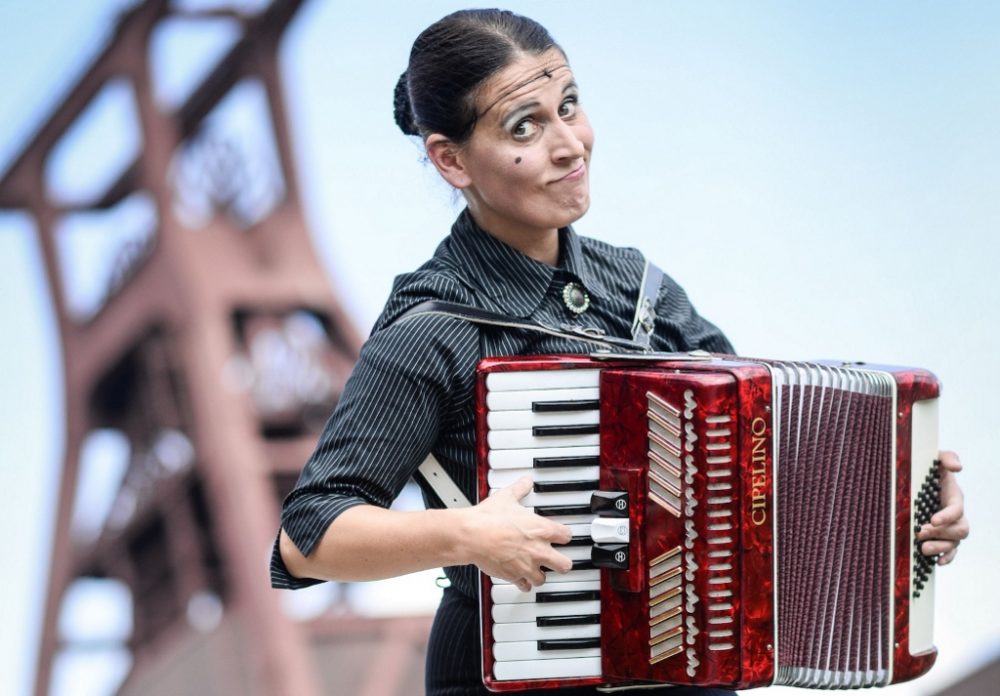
(575, 298)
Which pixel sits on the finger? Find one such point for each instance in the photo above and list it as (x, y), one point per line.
(521, 487)
(953, 532)
(556, 533)
(948, 557)
(949, 516)
(949, 528)
(952, 502)
(557, 562)
(945, 519)
(535, 578)
(523, 585)
(938, 546)
(949, 460)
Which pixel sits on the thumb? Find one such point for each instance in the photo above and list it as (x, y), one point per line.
(950, 461)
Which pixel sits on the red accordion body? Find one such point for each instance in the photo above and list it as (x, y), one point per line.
(736, 523)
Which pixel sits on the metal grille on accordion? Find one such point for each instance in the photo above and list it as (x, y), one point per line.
(736, 523)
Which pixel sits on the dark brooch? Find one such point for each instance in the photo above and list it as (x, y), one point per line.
(575, 298)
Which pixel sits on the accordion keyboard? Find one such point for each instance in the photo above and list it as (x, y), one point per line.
(545, 425)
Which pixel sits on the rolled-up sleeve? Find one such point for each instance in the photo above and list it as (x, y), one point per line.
(386, 422)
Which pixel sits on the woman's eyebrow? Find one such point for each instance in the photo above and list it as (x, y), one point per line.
(517, 111)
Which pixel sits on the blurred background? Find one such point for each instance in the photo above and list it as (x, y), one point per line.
(224, 202)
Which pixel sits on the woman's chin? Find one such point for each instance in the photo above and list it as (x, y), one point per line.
(575, 209)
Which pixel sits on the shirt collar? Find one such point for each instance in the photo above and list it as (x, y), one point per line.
(516, 281)
(573, 261)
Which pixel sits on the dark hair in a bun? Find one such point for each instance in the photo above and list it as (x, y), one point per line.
(451, 59)
(401, 109)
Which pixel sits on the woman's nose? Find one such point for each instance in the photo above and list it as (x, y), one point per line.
(567, 142)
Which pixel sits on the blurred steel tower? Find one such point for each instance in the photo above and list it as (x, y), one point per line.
(212, 353)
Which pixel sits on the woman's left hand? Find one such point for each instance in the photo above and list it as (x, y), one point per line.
(948, 526)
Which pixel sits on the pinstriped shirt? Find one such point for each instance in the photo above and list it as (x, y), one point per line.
(412, 390)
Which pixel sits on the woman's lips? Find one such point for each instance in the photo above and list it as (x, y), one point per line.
(575, 175)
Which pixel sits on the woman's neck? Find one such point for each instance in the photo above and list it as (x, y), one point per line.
(540, 245)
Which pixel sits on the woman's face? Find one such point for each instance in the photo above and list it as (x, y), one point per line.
(528, 157)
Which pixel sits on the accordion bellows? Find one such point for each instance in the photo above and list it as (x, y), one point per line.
(736, 522)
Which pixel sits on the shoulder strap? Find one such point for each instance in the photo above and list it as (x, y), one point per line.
(594, 336)
(443, 485)
(643, 324)
(645, 308)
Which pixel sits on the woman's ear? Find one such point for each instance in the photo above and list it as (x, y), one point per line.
(447, 159)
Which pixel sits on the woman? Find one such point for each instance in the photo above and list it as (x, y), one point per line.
(494, 100)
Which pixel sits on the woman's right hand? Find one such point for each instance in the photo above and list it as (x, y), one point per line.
(509, 541)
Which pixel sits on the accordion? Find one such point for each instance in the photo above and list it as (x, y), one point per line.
(736, 523)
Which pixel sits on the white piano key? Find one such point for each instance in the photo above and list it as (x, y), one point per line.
(542, 379)
(579, 530)
(548, 669)
(525, 458)
(571, 520)
(559, 578)
(505, 633)
(519, 420)
(534, 500)
(529, 611)
(501, 478)
(574, 553)
(522, 400)
(509, 594)
(528, 650)
(525, 439)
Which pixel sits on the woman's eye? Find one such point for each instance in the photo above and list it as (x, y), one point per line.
(524, 129)
(568, 108)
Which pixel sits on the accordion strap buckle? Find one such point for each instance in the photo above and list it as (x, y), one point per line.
(586, 331)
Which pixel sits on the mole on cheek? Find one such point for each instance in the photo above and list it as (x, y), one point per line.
(517, 161)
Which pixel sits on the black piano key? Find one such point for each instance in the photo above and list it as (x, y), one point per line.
(557, 406)
(567, 596)
(554, 462)
(559, 510)
(567, 429)
(557, 486)
(609, 503)
(578, 541)
(569, 644)
(577, 620)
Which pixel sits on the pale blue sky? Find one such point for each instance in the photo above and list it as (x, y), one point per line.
(823, 178)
